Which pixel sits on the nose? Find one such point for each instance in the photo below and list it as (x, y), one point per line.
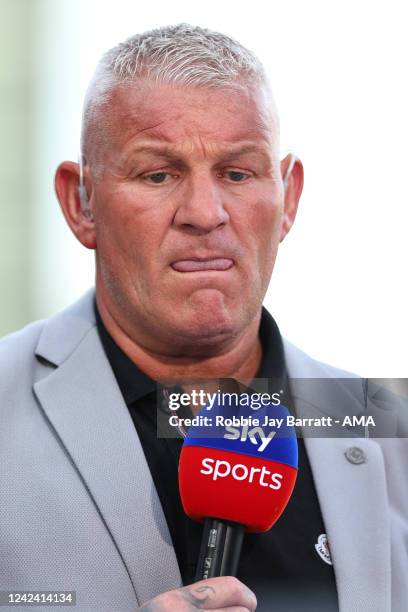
(201, 209)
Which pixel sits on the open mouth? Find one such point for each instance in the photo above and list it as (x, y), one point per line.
(219, 264)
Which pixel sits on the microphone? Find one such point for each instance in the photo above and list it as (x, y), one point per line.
(236, 474)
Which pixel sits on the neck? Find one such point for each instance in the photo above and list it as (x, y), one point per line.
(240, 359)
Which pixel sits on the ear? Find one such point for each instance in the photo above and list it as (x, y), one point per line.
(78, 216)
(292, 176)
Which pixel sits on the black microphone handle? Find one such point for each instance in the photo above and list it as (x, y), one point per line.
(220, 549)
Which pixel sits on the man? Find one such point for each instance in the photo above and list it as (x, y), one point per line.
(182, 195)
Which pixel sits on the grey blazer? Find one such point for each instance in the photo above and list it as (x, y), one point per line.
(78, 508)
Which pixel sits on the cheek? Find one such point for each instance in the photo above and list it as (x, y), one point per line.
(128, 251)
(271, 222)
(130, 227)
(265, 224)
(261, 224)
(268, 217)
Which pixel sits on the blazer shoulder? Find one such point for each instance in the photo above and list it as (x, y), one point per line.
(19, 344)
(18, 362)
(302, 365)
(34, 351)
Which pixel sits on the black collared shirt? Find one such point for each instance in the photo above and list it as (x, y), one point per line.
(281, 566)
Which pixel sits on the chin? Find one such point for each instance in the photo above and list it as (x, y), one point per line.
(207, 327)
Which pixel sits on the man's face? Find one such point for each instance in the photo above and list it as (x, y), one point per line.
(188, 214)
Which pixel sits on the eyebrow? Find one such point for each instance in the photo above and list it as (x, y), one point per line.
(159, 149)
(226, 152)
(245, 149)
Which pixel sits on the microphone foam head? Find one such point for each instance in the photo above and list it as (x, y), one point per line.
(241, 466)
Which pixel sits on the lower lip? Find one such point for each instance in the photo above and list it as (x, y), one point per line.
(211, 265)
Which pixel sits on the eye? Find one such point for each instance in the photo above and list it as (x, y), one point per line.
(157, 177)
(236, 176)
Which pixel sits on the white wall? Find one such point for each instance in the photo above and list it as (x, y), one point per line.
(339, 74)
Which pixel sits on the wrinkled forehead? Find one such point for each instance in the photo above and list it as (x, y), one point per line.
(180, 117)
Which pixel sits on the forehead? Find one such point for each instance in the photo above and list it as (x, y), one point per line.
(185, 117)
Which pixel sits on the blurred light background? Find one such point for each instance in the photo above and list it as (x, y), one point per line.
(338, 69)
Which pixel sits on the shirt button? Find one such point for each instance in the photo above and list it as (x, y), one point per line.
(355, 455)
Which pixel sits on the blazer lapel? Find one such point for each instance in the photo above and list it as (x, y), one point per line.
(352, 492)
(83, 403)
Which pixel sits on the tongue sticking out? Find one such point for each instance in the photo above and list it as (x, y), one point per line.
(190, 265)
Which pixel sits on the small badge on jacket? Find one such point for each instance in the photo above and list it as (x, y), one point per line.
(323, 549)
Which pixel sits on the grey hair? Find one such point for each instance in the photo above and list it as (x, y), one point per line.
(185, 55)
(182, 54)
